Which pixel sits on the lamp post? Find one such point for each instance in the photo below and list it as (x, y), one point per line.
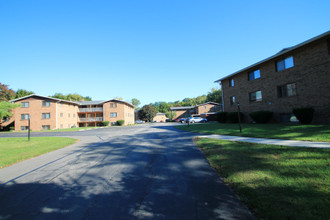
(239, 117)
(29, 128)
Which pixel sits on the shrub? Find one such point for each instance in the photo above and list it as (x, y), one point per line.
(120, 122)
(12, 128)
(261, 116)
(304, 115)
(105, 123)
(222, 117)
(233, 117)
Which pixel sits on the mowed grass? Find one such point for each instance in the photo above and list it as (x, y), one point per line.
(319, 133)
(13, 150)
(276, 182)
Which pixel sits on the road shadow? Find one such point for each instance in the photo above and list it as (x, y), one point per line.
(155, 175)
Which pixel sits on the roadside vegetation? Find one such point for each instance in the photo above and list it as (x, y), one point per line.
(13, 150)
(277, 131)
(275, 182)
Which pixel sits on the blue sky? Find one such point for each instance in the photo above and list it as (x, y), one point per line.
(152, 50)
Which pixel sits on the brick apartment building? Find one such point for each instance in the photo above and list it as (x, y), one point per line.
(297, 76)
(204, 110)
(50, 113)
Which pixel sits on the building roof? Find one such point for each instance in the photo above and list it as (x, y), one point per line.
(77, 103)
(212, 103)
(91, 102)
(44, 97)
(182, 108)
(160, 113)
(282, 52)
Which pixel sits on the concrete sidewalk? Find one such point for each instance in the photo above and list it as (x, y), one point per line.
(290, 143)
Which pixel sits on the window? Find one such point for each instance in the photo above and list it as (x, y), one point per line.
(254, 75)
(45, 127)
(284, 64)
(113, 114)
(68, 115)
(24, 128)
(113, 105)
(287, 90)
(25, 104)
(61, 115)
(73, 115)
(61, 104)
(255, 96)
(45, 115)
(232, 100)
(45, 103)
(25, 116)
(61, 125)
(231, 83)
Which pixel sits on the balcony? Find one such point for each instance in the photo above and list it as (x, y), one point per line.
(90, 109)
(90, 119)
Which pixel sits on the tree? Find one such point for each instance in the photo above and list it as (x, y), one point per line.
(147, 113)
(71, 97)
(6, 108)
(22, 92)
(6, 94)
(136, 102)
(214, 96)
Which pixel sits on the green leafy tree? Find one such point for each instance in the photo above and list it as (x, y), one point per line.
(6, 109)
(147, 113)
(22, 92)
(135, 102)
(214, 96)
(71, 97)
(6, 94)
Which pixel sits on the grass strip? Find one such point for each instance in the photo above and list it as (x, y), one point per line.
(319, 133)
(13, 150)
(276, 182)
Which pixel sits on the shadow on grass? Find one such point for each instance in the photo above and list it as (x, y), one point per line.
(276, 182)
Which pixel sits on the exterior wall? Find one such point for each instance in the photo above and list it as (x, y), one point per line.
(207, 108)
(124, 112)
(129, 115)
(35, 111)
(67, 115)
(311, 73)
(182, 113)
(159, 118)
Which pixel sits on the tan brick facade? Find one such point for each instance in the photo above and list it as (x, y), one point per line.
(115, 110)
(160, 117)
(59, 114)
(310, 76)
(208, 108)
(66, 115)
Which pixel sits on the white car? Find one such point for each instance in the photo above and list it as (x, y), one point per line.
(196, 120)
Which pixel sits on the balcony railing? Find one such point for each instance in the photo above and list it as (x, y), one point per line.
(90, 109)
(90, 119)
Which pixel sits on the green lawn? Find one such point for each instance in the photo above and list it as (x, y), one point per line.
(13, 150)
(276, 182)
(277, 131)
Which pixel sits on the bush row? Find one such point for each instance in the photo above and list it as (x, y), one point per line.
(119, 122)
(304, 115)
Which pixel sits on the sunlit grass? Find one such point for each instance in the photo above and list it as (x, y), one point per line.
(277, 131)
(276, 182)
(13, 150)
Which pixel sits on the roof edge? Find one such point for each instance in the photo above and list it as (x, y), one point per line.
(278, 54)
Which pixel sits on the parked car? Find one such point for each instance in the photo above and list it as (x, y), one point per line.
(196, 120)
(182, 120)
(139, 122)
(177, 120)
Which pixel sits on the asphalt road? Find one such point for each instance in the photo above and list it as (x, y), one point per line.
(141, 172)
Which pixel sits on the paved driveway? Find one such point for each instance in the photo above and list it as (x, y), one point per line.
(141, 172)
